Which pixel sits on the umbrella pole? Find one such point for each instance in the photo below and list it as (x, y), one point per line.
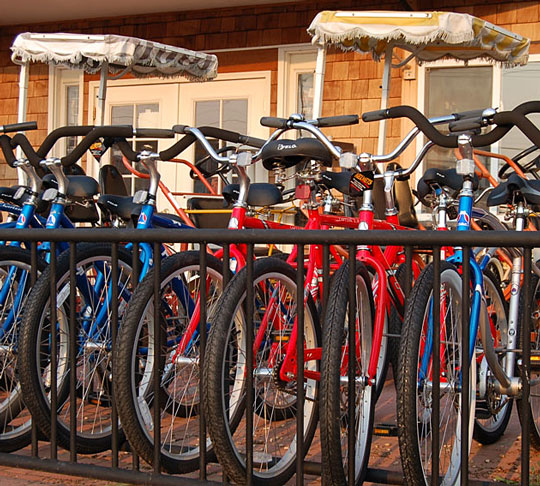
(319, 82)
(102, 93)
(21, 116)
(387, 74)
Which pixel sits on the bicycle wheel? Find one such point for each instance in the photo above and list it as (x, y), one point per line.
(93, 354)
(134, 362)
(335, 425)
(224, 374)
(493, 410)
(395, 324)
(534, 398)
(15, 420)
(384, 357)
(415, 381)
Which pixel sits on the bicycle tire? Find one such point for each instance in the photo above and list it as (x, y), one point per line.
(334, 424)
(224, 375)
(384, 358)
(133, 368)
(94, 399)
(414, 430)
(492, 415)
(395, 325)
(534, 398)
(15, 420)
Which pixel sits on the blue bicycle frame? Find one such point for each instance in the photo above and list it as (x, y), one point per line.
(465, 211)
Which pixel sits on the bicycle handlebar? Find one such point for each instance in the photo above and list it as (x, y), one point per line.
(327, 121)
(18, 127)
(504, 120)
(220, 133)
(55, 135)
(21, 141)
(36, 156)
(7, 149)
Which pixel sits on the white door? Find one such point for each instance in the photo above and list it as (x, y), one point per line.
(235, 104)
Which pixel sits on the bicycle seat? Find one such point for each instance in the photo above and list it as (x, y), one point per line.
(7, 194)
(260, 194)
(340, 181)
(288, 153)
(79, 185)
(404, 200)
(111, 181)
(444, 178)
(121, 206)
(208, 220)
(515, 187)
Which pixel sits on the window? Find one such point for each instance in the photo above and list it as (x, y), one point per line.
(229, 114)
(304, 88)
(65, 105)
(518, 85)
(234, 101)
(137, 115)
(454, 89)
(72, 112)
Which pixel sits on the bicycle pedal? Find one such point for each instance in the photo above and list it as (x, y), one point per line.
(100, 401)
(387, 430)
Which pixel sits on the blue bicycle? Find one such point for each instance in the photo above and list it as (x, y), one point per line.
(94, 304)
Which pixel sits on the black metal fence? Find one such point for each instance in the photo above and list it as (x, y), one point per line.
(39, 458)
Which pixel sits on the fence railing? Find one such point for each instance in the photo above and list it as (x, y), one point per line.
(43, 454)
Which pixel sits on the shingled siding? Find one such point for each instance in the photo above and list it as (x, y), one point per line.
(352, 81)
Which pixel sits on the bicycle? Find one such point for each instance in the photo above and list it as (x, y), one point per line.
(422, 348)
(275, 368)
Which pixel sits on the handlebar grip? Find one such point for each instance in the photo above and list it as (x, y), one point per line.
(230, 136)
(180, 129)
(227, 135)
(468, 114)
(337, 121)
(98, 132)
(466, 124)
(18, 127)
(370, 116)
(7, 149)
(55, 135)
(424, 125)
(27, 148)
(177, 148)
(252, 141)
(154, 132)
(274, 122)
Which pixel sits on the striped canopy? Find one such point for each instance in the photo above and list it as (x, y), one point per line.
(118, 53)
(428, 35)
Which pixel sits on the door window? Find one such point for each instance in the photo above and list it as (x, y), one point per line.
(519, 84)
(139, 116)
(227, 114)
(451, 90)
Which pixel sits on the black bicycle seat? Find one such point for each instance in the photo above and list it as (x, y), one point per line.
(79, 185)
(288, 153)
(121, 206)
(513, 189)
(441, 177)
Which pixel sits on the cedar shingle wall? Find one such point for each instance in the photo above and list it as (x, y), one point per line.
(352, 81)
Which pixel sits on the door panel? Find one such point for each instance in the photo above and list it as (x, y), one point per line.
(232, 104)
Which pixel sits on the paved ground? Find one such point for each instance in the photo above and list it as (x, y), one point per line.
(498, 462)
